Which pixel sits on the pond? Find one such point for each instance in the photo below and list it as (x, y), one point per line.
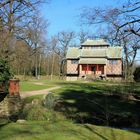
(132, 129)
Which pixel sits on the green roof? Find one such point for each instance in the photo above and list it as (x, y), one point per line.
(93, 53)
(114, 52)
(109, 52)
(92, 61)
(96, 42)
(72, 53)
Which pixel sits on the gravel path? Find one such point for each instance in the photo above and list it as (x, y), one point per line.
(37, 92)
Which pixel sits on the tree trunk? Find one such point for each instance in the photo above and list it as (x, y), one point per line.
(52, 69)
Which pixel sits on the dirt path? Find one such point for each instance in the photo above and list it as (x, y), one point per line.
(37, 92)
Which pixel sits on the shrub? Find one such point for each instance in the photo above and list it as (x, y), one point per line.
(137, 74)
(33, 111)
(36, 111)
(49, 101)
(5, 75)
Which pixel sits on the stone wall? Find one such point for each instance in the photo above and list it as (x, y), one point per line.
(10, 106)
(71, 78)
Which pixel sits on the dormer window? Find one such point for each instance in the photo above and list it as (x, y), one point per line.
(94, 47)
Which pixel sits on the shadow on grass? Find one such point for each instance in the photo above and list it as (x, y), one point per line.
(85, 103)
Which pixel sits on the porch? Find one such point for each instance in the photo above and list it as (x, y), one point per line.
(94, 70)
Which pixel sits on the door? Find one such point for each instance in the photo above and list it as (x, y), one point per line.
(93, 69)
(102, 69)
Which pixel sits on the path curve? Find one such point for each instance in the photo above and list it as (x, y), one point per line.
(37, 92)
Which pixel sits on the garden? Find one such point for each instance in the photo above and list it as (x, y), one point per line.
(77, 110)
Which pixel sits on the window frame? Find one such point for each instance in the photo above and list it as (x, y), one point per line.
(113, 62)
(74, 61)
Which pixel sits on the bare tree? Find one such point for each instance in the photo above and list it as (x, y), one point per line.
(65, 40)
(83, 36)
(123, 25)
(15, 16)
(130, 18)
(125, 18)
(131, 46)
(55, 51)
(34, 37)
(22, 58)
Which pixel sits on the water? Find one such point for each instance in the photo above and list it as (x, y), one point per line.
(132, 129)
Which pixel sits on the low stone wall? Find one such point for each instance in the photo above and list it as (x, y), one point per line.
(71, 78)
(10, 106)
(114, 78)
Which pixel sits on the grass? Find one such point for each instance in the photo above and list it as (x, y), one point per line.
(32, 85)
(62, 130)
(99, 103)
(93, 103)
(29, 99)
(83, 103)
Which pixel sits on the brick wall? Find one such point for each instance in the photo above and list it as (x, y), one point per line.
(72, 68)
(114, 67)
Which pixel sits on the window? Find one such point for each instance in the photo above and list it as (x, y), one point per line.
(74, 61)
(113, 62)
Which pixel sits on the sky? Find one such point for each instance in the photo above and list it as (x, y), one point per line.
(63, 15)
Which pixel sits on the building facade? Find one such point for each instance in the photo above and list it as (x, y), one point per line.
(94, 59)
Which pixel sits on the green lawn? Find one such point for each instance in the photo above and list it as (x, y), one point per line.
(33, 85)
(100, 103)
(83, 103)
(64, 130)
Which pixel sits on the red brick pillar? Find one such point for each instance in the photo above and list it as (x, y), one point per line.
(14, 86)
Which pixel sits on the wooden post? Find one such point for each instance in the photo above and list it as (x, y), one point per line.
(87, 69)
(97, 68)
(80, 69)
(14, 86)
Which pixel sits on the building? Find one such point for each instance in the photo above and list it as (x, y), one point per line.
(94, 59)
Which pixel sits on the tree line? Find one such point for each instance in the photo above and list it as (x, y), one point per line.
(25, 44)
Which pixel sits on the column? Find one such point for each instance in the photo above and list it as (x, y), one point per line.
(105, 69)
(97, 68)
(87, 69)
(80, 69)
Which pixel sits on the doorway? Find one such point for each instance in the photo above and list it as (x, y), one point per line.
(93, 69)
